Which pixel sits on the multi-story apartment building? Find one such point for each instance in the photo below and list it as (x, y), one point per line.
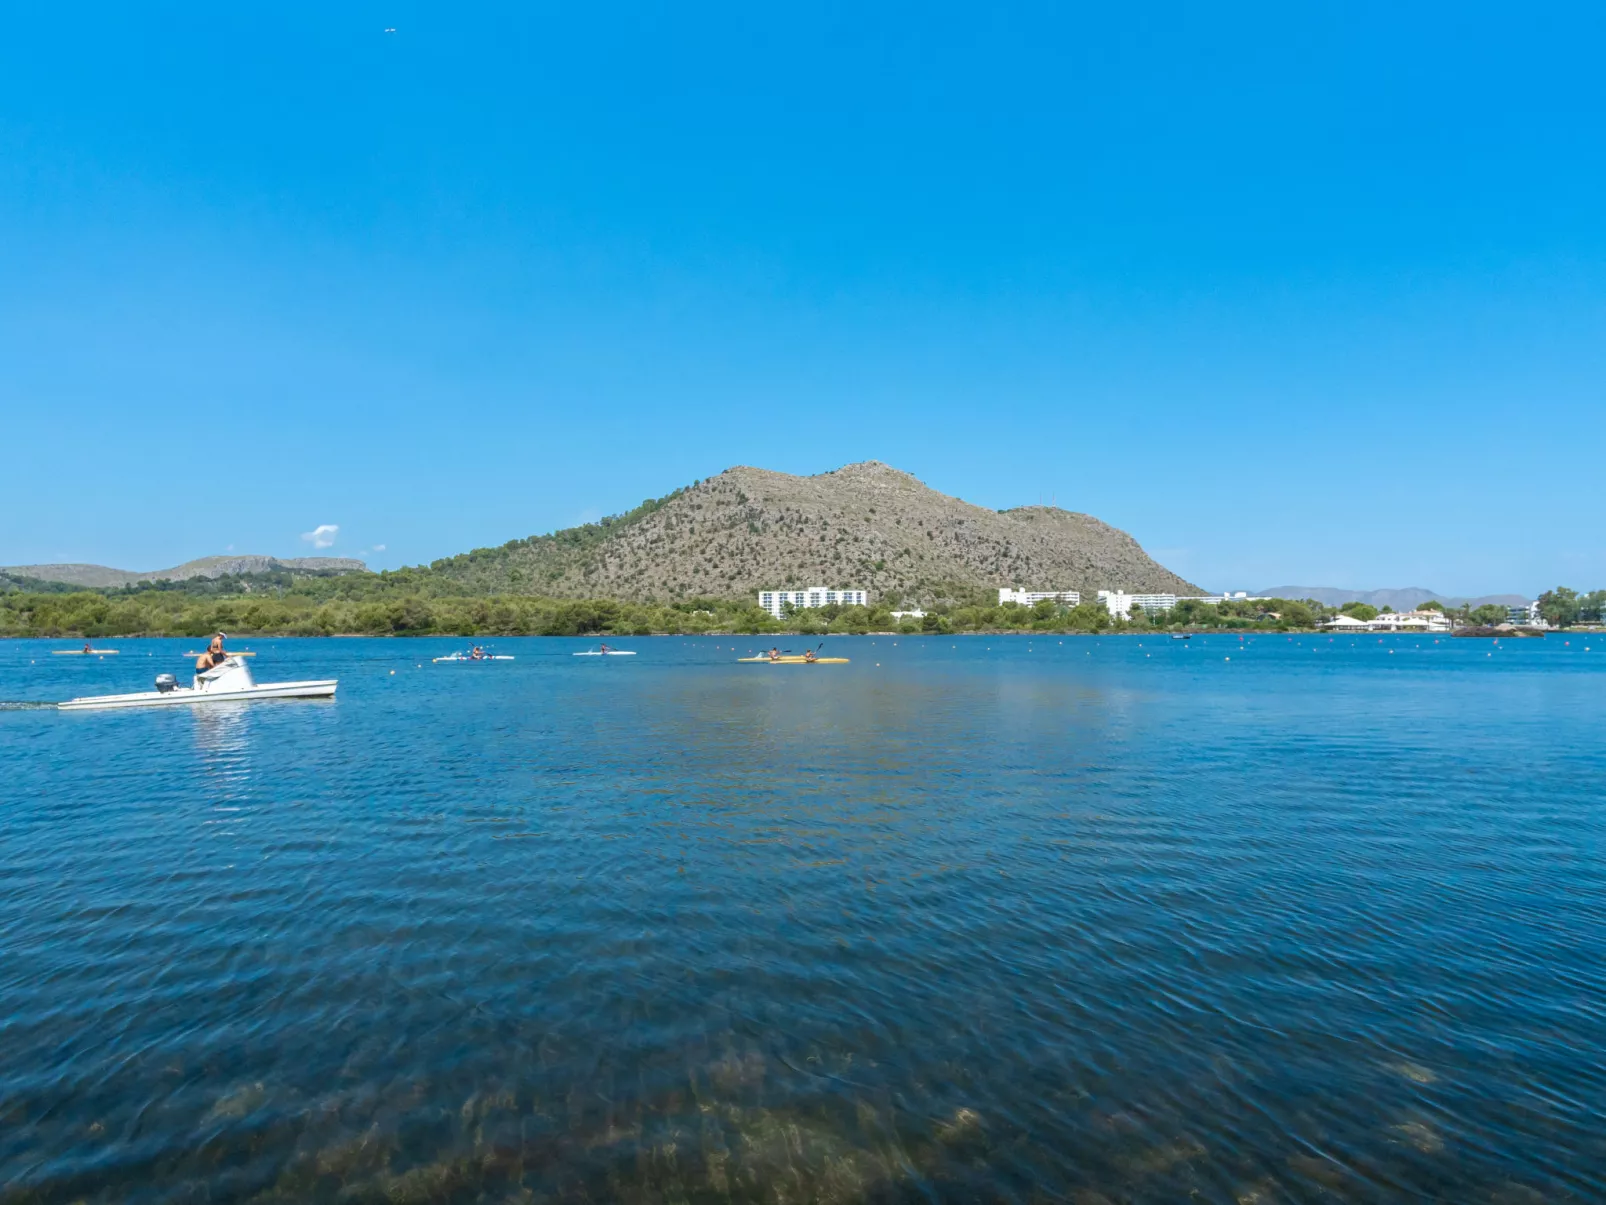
(815, 596)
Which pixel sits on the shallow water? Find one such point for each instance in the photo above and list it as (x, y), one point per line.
(981, 918)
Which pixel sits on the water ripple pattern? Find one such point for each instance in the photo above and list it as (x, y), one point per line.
(1019, 919)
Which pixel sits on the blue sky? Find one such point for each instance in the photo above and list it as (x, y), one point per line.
(1306, 294)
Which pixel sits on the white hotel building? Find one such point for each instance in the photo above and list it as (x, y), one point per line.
(1120, 604)
(815, 596)
(1027, 597)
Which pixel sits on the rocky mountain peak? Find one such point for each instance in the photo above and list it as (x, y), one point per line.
(867, 525)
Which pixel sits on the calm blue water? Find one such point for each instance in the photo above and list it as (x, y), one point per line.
(991, 919)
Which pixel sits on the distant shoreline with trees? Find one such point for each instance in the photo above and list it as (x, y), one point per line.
(363, 605)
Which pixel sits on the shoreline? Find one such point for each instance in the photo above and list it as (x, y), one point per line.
(969, 633)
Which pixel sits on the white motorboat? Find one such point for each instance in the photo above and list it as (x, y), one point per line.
(227, 683)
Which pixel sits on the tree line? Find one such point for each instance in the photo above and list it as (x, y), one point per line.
(96, 614)
(1563, 606)
(383, 605)
(196, 613)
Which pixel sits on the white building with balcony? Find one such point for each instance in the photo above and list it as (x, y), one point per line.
(1526, 615)
(815, 596)
(1410, 621)
(1391, 621)
(1027, 598)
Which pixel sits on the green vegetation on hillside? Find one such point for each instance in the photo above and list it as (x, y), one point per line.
(179, 613)
(417, 602)
(535, 560)
(33, 585)
(323, 611)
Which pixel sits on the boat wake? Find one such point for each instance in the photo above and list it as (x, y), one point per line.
(22, 705)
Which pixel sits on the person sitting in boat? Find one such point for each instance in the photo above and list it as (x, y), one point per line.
(214, 655)
(775, 653)
(606, 649)
(809, 655)
(87, 649)
(476, 653)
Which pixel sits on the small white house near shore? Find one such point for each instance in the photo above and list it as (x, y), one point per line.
(1391, 621)
(1346, 623)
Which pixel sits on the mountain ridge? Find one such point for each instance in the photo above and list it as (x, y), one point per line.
(866, 525)
(103, 576)
(1404, 598)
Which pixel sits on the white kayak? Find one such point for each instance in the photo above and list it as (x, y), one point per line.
(230, 682)
(607, 653)
(487, 657)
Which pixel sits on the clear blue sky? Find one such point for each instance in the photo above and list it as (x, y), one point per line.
(1311, 294)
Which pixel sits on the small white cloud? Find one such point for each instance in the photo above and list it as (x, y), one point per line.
(379, 548)
(322, 536)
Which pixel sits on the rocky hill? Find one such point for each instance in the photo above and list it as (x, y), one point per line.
(97, 576)
(866, 525)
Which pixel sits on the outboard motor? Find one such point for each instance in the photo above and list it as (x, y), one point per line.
(166, 682)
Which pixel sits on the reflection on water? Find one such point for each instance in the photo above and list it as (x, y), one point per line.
(221, 735)
(1095, 921)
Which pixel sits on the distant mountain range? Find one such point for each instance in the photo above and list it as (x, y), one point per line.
(747, 529)
(206, 566)
(865, 525)
(1407, 598)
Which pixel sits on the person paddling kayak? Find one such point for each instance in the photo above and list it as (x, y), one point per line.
(214, 655)
(775, 653)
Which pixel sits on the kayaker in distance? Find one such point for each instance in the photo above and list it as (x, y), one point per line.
(213, 656)
(606, 649)
(775, 653)
(809, 655)
(87, 649)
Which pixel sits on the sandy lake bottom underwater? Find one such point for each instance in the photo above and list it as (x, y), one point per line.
(1088, 919)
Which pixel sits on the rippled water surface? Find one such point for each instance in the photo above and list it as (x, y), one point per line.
(1100, 920)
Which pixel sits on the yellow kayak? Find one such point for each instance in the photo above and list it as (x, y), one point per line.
(790, 660)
